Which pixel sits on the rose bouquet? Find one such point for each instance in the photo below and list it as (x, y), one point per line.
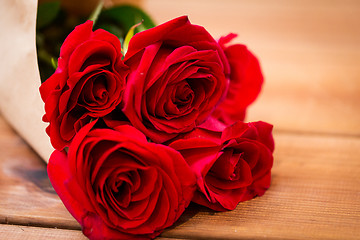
(144, 127)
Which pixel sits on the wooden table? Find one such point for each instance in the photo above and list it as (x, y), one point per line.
(310, 54)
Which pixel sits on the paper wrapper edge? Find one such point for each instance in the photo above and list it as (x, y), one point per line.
(20, 102)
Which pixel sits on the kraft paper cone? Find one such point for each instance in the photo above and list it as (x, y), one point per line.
(20, 102)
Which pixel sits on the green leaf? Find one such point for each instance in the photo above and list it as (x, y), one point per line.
(95, 14)
(47, 13)
(128, 36)
(126, 16)
(54, 63)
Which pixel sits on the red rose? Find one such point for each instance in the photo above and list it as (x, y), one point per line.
(119, 186)
(230, 166)
(245, 82)
(88, 83)
(178, 75)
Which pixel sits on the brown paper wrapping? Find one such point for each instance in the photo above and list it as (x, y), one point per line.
(20, 102)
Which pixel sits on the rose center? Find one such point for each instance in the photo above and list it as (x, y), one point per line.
(184, 96)
(122, 193)
(95, 91)
(229, 165)
(99, 90)
(236, 173)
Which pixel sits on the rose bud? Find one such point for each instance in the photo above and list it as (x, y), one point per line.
(246, 80)
(231, 166)
(88, 83)
(178, 75)
(119, 186)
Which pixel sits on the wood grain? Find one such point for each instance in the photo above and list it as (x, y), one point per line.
(18, 232)
(315, 194)
(27, 195)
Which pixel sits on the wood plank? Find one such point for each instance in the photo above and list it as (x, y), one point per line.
(309, 51)
(27, 195)
(315, 193)
(18, 232)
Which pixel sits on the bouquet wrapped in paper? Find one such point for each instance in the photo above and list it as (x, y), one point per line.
(144, 119)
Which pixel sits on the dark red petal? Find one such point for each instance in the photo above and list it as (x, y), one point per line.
(66, 186)
(80, 34)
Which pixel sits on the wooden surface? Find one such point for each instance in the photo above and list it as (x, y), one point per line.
(310, 54)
